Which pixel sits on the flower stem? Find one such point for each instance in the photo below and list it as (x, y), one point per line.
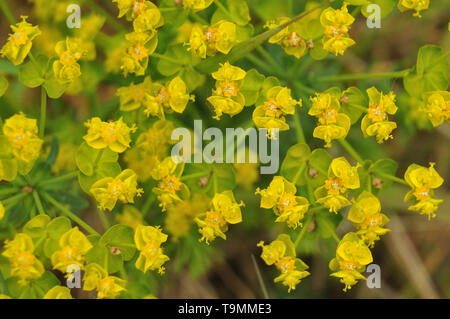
(59, 179)
(393, 178)
(14, 199)
(104, 219)
(303, 231)
(43, 112)
(351, 150)
(69, 214)
(38, 203)
(298, 128)
(362, 76)
(163, 57)
(260, 279)
(7, 12)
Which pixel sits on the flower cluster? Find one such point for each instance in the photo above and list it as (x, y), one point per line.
(341, 178)
(436, 106)
(281, 253)
(208, 40)
(148, 241)
(281, 197)
(97, 278)
(422, 181)
(223, 210)
(337, 24)
(331, 124)
(271, 114)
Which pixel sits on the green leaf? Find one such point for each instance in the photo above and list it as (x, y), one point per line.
(252, 86)
(32, 75)
(384, 167)
(294, 165)
(356, 100)
(102, 255)
(431, 72)
(122, 237)
(3, 85)
(37, 227)
(319, 160)
(179, 54)
(87, 156)
(213, 177)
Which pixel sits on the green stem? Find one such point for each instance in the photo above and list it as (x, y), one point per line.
(148, 204)
(59, 179)
(43, 112)
(8, 191)
(258, 62)
(69, 214)
(198, 18)
(303, 88)
(14, 199)
(299, 171)
(163, 57)
(38, 203)
(303, 231)
(298, 128)
(351, 150)
(260, 279)
(104, 219)
(7, 12)
(362, 76)
(393, 178)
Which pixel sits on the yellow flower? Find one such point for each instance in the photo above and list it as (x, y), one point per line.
(337, 24)
(332, 124)
(148, 241)
(227, 98)
(58, 292)
(2, 211)
(418, 5)
(367, 217)
(352, 256)
(130, 216)
(20, 42)
(437, 107)
(131, 8)
(196, 5)
(375, 122)
(280, 196)
(289, 38)
(3, 296)
(22, 134)
(132, 97)
(281, 253)
(74, 246)
(140, 47)
(107, 287)
(224, 210)
(341, 177)
(69, 51)
(24, 264)
(173, 98)
(208, 40)
(107, 191)
(114, 135)
(149, 20)
(278, 104)
(422, 181)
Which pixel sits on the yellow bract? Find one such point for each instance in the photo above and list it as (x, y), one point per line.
(375, 122)
(227, 98)
(24, 263)
(281, 253)
(352, 256)
(288, 38)
(418, 5)
(139, 47)
(437, 107)
(74, 246)
(58, 292)
(22, 134)
(224, 210)
(2, 211)
(148, 241)
(280, 196)
(422, 181)
(20, 41)
(331, 124)
(107, 287)
(69, 51)
(114, 135)
(107, 191)
(341, 177)
(337, 24)
(271, 114)
(195, 5)
(367, 217)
